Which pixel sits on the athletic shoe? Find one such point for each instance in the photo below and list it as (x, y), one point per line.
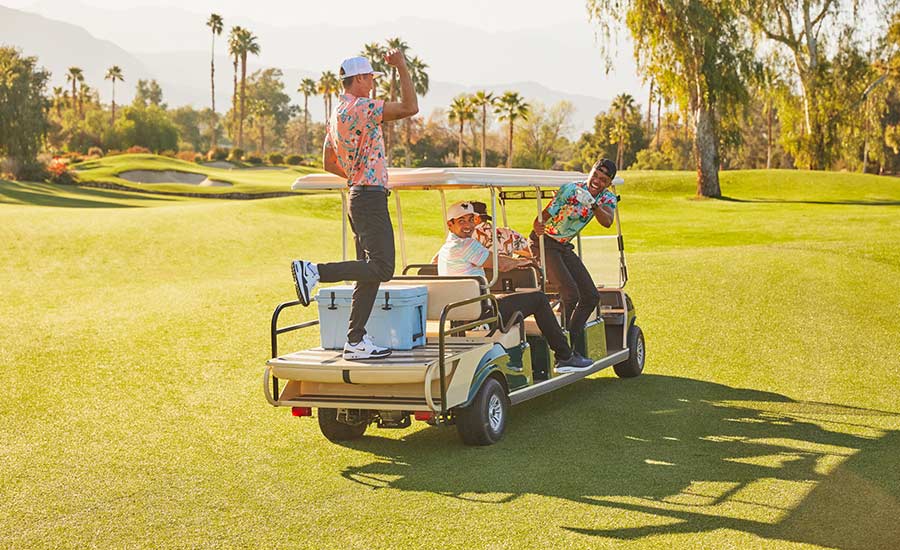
(365, 349)
(576, 363)
(306, 277)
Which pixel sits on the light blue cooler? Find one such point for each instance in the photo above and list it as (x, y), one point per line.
(397, 320)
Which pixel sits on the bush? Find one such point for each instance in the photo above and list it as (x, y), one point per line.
(168, 153)
(218, 153)
(113, 152)
(236, 155)
(651, 160)
(293, 160)
(198, 158)
(254, 159)
(188, 156)
(73, 157)
(95, 152)
(275, 158)
(134, 149)
(58, 172)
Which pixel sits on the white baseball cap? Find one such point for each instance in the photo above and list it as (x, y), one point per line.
(460, 209)
(356, 66)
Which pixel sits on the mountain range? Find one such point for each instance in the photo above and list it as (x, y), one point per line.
(172, 46)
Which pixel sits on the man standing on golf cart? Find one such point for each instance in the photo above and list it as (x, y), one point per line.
(354, 149)
(567, 214)
(462, 255)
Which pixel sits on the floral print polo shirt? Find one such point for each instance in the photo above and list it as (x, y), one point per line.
(571, 210)
(509, 241)
(354, 132)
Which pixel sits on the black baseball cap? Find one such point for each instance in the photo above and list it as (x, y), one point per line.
(481, 210)
(607, 166)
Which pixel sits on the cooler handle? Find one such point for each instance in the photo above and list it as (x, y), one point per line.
(421, 324)
(387, 301)
(333, 305)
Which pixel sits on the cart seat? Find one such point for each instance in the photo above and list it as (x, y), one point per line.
(402, 367)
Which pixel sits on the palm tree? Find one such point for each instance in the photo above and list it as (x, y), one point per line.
(461, 110)
(623, 104)
(235, 53)
(247, 44)
(511, 106)
(328, 85)
(84, 93)
(75, 76)
(484, 99)
(420, 85)
(215, 24)
(113, 74)
(307, 88)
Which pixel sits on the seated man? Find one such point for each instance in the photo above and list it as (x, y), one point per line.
(463, 255)
(509, 241)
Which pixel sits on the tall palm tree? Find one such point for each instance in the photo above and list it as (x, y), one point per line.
(215, 24)
(420, 85)
(247, 44)
(113, 74)
(484, 99)
(622, 104)
(328, 85)
(235, 53)
(511, 107)
(461, 111)
(75, 76)
(307, 87)
(84, 93)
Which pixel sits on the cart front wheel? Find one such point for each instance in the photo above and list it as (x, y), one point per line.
(483, 422)
(339, 431)
(637, 352)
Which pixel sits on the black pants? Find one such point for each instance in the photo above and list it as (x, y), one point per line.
(374, 237)
(577, 290)
(537, 304)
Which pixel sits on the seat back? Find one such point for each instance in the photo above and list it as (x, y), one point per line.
(446, 290)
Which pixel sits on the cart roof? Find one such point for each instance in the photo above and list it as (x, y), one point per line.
(451, 178)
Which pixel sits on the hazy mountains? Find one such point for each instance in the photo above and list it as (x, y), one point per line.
(176, 53)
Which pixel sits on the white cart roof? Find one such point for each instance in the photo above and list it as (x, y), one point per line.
(451, 178)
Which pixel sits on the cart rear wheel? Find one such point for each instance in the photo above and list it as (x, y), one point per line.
(483, 422)
(339, 431)
(637, 352)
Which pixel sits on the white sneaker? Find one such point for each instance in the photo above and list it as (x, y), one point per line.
(365, 349)
(306, 277)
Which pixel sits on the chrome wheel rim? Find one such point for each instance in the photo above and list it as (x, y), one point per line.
(639, 352)
(495, 412)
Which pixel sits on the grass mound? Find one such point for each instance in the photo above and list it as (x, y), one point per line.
(136, 329)
(175, 178)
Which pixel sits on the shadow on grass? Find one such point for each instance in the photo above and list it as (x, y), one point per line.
(684, 456)
(830, 203)
(44, 194)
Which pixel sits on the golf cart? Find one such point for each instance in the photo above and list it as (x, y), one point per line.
(473, 365)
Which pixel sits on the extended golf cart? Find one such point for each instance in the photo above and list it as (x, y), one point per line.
(465, 366)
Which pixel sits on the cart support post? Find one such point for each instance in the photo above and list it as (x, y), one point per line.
(400, 227)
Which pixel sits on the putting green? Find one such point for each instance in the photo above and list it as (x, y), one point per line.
(136, 330)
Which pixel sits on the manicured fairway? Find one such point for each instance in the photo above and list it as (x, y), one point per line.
(135, 330)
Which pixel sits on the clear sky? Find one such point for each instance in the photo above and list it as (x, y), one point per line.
(492, 15)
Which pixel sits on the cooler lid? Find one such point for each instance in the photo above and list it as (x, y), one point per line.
(396, 294)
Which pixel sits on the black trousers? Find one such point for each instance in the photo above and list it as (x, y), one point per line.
(374, 264)
(577, 290)
(537, 304)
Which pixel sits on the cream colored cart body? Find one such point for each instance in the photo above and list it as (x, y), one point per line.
(473, 366)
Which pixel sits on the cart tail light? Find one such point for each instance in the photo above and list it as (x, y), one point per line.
(301, 411)
(424, 416)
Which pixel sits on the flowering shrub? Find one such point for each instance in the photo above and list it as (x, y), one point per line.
(59, 173)
(137, 149)
(188, 156)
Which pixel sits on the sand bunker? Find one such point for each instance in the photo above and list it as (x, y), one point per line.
(171, 176)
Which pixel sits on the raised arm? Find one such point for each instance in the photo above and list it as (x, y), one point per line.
(408, 104)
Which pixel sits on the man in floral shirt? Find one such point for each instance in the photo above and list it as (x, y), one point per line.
(573, 207)
(509, 241)
(354, 150)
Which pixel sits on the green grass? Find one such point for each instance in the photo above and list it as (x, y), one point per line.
(136, 330)
(243, 180)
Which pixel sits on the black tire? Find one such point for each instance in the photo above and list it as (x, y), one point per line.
(634, 365)
(338, 431)
(483, 422)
